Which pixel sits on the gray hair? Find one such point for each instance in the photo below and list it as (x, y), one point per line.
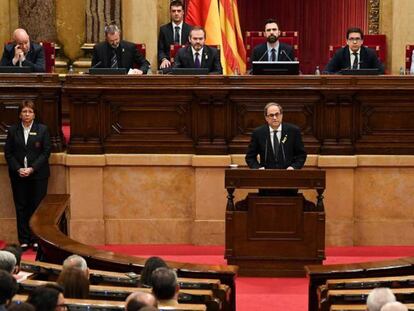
(379, 297)
(7, 261)
(75, 261)
(394, 306)
(272, 104)
(111, 28)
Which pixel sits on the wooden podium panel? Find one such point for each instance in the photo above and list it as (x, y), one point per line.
(274, 235)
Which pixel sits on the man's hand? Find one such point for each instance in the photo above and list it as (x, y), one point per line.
(165, 63)
(290, 168)
(135, 72)
(18, 55)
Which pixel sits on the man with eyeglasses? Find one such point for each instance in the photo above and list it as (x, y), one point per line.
(354, 55)
(279, 144)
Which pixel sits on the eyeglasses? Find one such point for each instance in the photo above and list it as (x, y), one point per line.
(274, 115)
(354, 39)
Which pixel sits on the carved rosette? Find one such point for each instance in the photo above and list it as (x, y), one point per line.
(373, 16)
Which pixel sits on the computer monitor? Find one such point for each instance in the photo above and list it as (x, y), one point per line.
(361, 72)
(275, 68)
(190, 71)
(108, 71)
(15, 69)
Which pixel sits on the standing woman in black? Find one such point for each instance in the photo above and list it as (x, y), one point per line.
(27, 151)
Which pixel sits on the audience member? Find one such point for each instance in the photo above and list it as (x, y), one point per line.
(21, 306)
(175, 32)
(23, 52)
(16, 250)
(74, 282)
(379, 297)
(151, 264)
(48, 298)
(136, 301)
(7, 261)
(165, 286)
(394, 306)
(117, 53)
(198, 55)
(8, 288)
(77, 262)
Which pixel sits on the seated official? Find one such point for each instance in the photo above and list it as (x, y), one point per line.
(272, 50)
(23, 53)
(354, 55)
(117, 53)
(198, 55)
(176, 32)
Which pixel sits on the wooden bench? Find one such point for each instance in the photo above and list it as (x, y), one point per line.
(105, 305)
(49, 224)
(121, 293)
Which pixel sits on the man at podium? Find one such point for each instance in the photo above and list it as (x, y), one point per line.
(279, 144)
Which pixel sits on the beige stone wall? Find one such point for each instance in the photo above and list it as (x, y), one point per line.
(396, 19)
(181, 198)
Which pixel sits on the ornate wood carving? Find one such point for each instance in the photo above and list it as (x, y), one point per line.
(373, 16)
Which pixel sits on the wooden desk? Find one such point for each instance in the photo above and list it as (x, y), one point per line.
(44, 90)
(216, 114)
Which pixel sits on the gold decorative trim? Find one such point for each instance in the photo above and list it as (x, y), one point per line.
(373, 16)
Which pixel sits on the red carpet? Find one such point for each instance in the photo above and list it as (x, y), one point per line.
(289, 294)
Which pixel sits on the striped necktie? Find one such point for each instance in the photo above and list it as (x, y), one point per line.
(114, 59)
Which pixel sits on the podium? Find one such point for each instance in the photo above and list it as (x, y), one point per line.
(274, 235)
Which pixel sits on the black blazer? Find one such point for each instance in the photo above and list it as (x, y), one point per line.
(260, 53)
(342, 60)
(291, 151)
(166, 38)
(210, 59)
(35, 57)
(37, 150)
(127, 52)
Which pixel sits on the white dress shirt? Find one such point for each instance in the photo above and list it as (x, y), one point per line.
(26, 131)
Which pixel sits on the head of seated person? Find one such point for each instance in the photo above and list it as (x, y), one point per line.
(77, 262)
(151, 264)
(164, 284)
(138, 300)
(74, 282)
(21, 306)
(8, 287)
(48, 298)
(394, 306)
(378, 297)
(7, 261)
(16, 250)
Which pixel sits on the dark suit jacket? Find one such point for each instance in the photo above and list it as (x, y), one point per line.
(342, 60)
(127, 52)
(35, 58)
(166, 38)
(37, 150)
(260, 53)
(210, 59)
(291, 150)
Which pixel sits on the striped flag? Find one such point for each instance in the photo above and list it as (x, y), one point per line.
(233, 46)
(222, 29)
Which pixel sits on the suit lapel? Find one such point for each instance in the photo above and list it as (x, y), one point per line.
(204, 58)
(347, 58)
(170, 33)
(34, 131)
(20, 134)
(190, 54)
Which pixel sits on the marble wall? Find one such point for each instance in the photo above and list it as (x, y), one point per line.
(181, 198)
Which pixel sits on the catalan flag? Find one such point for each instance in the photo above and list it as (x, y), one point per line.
(220, 19)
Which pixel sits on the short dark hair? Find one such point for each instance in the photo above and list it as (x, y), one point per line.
(45, 297)
(8, 286)
(150, 265)
(354, 29)
(26, 103)
(164, 283)
(198, 28)
(270, 21)
(176, 3)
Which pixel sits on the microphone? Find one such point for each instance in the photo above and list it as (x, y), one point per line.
(262, 56)
(97, 64)
(284, 52)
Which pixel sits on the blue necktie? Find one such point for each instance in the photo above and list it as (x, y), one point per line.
(197, 63)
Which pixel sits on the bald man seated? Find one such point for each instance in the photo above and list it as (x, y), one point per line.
(24, 53)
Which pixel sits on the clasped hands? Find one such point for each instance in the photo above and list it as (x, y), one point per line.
(25, 171)
(18, 55)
